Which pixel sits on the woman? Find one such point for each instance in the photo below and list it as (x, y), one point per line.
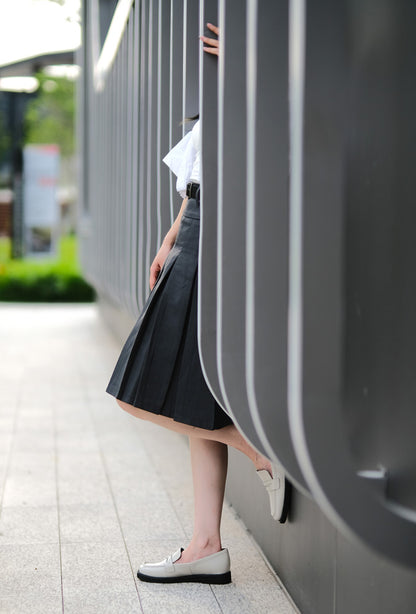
(158, 377)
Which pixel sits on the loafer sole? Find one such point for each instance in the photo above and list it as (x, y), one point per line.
(220, 578)
(286, 504)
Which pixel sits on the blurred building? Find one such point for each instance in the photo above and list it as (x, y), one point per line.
(15, 95)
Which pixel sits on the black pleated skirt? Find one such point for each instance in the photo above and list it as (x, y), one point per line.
(159, 369)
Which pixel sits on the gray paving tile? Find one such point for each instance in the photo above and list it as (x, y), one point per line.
(6, 440)
(134, 466)
(71, 406)
(33, 441)
(255, 588)
(33, 485)
(30, 579)
(35, 417)
(184, 598)
(153, 518)
(98, 578)
(132, 477)
(174, 477)
(4, 458)
(135, 491)
(27, 397)
(82, 479)
(231, 524)
(89, 523)
(7, 421)
(258, 599)
(10, 382)
(90, 601)
(29, 525)
(77, 441)
(169, 454)
(121, 442)
(98, 398)
(28, 459)
(72, 410)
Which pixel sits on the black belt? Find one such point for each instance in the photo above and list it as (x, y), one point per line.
(192, 189)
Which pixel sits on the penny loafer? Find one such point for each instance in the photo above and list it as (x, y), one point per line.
(278, 489)
(212, 569)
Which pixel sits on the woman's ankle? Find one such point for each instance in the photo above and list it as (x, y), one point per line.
(199, 548)
(263, 463)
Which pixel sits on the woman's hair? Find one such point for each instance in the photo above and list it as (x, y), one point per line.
(190, 119)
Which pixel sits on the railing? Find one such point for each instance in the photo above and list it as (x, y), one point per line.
(307, 294)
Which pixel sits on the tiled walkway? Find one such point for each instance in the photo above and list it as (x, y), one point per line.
(87, 492)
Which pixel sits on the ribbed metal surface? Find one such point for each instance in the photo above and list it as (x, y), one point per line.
(306, 283)
(130, 119)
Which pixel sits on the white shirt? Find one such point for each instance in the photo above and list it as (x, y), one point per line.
(185, 159)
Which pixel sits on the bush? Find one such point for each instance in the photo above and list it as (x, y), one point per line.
(48, 288)
(44, 281)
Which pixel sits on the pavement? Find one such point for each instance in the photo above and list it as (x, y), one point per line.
(88, 492)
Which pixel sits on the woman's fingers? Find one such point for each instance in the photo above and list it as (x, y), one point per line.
(213, 43)
(210, 41)
(213, 50)
(213, 28)
(154, 272)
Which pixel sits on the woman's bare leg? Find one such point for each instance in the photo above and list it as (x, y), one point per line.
(228, 435)
(209, 471)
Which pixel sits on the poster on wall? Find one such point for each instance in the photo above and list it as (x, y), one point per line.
(40, 203)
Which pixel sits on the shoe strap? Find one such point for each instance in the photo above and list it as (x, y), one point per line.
(175, 556)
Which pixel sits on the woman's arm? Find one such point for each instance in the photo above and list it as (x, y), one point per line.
(166, 246)
(212, 46)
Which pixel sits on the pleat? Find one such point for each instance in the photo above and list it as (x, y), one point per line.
(159, 368)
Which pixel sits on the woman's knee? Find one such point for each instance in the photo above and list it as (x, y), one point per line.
(134, 411)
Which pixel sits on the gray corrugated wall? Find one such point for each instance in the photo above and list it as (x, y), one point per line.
(307, 292)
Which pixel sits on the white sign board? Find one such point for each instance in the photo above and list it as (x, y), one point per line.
(40, 204)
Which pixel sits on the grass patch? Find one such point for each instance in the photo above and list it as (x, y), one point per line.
(44, 280)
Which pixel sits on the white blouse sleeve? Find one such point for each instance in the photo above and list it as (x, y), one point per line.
(180, 160)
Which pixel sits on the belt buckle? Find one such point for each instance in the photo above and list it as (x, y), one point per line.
(189, 190)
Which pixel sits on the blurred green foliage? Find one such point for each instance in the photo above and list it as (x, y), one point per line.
(44, 280)
(50, 116)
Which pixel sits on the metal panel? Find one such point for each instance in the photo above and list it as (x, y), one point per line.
(365, 582)
(190, 60)
(163, 106)
(175, 91)
(134, 308)
(302, 551)
(120, 201)
(128, 145)
(267, 231)
(231, 231)
(142, 175)
(152, 228)
(125, 162)
(358, 287)
(207, 279)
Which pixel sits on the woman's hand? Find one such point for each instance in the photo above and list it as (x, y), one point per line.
(158, 263)
(166, 246)
(212, 43)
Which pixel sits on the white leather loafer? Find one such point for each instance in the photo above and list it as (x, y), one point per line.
(212, 569)
(278, 489)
